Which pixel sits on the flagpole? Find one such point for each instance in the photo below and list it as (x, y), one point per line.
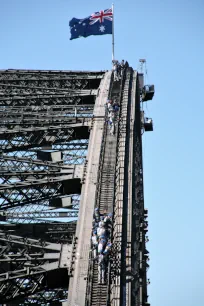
(113, 43)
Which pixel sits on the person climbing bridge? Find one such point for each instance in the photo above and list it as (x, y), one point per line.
(101, 268)
(94, 240)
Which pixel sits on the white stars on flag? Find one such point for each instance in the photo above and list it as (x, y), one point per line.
(102, 28)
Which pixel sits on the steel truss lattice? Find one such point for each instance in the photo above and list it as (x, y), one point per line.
(45, 121)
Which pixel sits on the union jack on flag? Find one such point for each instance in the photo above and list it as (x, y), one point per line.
(101, 16)
(98, 23)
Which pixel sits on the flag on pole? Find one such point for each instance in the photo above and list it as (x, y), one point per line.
(98, 23)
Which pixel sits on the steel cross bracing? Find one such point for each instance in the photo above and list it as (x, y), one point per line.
(43, 214)
(25, 263)
(25, 129)
(20, 117)
(53, 297)
(74, 152)
(36, 172)
(46, 118)
(57, 232)
(31, 191)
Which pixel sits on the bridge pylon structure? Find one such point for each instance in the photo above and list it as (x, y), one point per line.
(58, 162)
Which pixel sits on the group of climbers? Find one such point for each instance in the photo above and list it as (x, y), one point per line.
(101, 243)
(118, 69)
(112, 108)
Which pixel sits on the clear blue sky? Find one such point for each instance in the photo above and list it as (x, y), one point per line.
(170, 35)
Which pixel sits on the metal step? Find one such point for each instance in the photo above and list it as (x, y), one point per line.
(99, 292)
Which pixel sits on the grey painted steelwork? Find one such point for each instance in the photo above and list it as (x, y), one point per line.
(56, 152)
(43, 214)
(26, 259)
(36, 116)
(57, 232)
(45, 122)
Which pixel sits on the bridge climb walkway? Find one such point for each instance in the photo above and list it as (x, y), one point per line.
(99, 292)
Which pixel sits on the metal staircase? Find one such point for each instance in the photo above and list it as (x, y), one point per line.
(99, 291)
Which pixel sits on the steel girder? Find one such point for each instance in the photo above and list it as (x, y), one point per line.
(35, 172)
(38, 214)
(53, 74)
(23, 139)
(32, 191)
(57, 82)
(52, 297)
(15, 163)
(41, 214)
(46, 101)
(24, 263)
(74, 152)
(7, 177)
(18, 115)
(26, 90)
(56, 232)
(22, 132)
(39, 110)
(25, 125)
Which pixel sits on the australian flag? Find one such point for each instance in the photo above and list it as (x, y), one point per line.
(98, 23)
